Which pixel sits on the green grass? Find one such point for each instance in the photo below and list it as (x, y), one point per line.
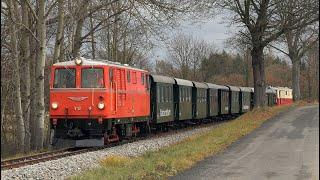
(170, 160)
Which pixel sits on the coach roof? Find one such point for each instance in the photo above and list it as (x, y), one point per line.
(234, 88)
(183, 82)
(216, 86)
(246, 89)
(162, 79)
(200, 85)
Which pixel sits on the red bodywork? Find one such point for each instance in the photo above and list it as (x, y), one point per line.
(282, 101)
(122, 99)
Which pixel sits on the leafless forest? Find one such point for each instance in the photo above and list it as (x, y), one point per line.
(37, 33)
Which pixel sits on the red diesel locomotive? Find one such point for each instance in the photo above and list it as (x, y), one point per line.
(95, 102)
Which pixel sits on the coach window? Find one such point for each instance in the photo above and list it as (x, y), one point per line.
(187, 94)
(162, 93)
(169, 93)
(165, 94)
(92, 78)
(158, 94)
(64, 78)
(183, 94)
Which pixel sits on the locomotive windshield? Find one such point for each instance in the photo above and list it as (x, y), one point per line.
(92, 78)
(64, 78)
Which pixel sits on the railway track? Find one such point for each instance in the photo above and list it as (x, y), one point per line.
(52, 155)
(41, 157)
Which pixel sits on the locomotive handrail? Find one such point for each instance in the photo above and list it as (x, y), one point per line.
(116, 95)
(111, 93)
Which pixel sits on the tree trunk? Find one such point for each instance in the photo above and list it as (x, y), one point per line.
(317, 73)
(59, 35)
(295, 79)
(247, 67)
(108, 42)
(40, 108)
(92, 39)
(77, 42)
(16, 78)
(309, 83)
(258, 77)
(115, 41)
(25, 67)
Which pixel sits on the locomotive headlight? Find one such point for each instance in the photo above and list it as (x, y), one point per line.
(54, 105)
(78, 61)
(101, 105)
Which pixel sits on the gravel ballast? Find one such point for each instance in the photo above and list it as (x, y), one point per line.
(72, 165)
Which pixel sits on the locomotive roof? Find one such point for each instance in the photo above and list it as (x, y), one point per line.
(96, 62)
(216, 86)
(233, 88)
(200, 85)
(162, 79)
(246, 89)
(183, 82)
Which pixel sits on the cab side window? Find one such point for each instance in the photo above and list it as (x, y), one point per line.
(134, 77)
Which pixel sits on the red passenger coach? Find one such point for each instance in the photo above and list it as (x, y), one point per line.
(284, 95)
(96, 102)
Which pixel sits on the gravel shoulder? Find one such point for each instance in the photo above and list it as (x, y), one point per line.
(72, 165)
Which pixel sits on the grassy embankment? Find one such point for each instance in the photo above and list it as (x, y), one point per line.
(170, 160)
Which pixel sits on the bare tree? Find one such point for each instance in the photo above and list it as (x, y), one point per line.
(298, 42)
(180, 53)
(40, 64)
(59, 35)
(16, 68)
(262, 24)
(312, 62)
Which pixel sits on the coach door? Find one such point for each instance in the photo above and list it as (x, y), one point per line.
(121, 87)
(113, 90)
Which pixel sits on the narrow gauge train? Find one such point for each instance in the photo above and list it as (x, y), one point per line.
(97, 102)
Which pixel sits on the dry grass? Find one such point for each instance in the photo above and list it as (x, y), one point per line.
(170, 160)
(306, 103)
(19, 155)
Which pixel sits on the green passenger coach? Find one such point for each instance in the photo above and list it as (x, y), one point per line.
(245, 99)
(182, 99)
(199, 100)
(234, 95)
(162, 101)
